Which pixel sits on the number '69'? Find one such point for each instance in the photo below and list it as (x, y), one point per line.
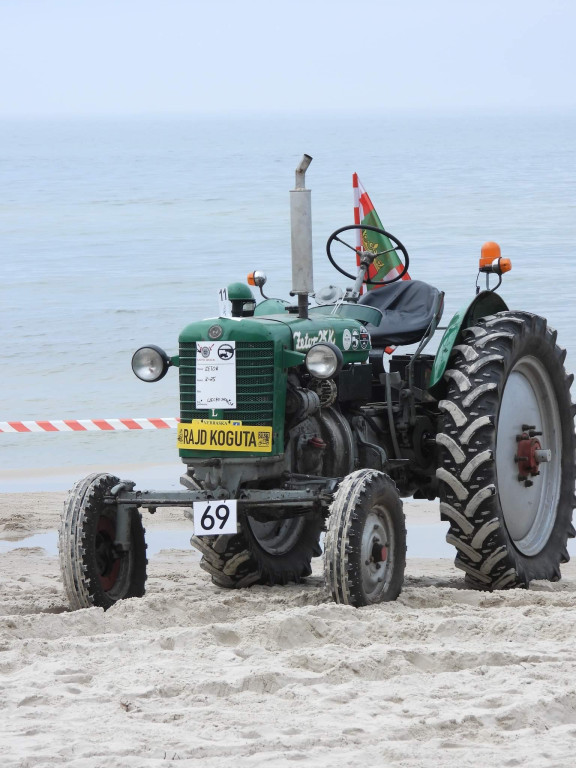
(207, 520)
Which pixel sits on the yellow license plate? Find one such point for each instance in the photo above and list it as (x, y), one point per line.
(219, 435)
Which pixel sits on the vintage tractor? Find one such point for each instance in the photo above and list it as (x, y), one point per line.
(294, 420)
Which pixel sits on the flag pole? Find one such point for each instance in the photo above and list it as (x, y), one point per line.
(357, 221)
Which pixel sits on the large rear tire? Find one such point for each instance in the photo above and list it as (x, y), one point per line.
(507, 451)
(283, 549)
(365, 551)
(270, 553)
(93, 571)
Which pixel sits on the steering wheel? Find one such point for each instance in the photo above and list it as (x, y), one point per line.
(394, 240)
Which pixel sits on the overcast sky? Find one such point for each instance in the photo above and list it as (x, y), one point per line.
(185, 56)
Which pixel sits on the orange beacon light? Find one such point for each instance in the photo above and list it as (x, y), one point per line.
(257, 278)
(491, 261)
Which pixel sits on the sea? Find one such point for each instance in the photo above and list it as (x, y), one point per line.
(118, 232)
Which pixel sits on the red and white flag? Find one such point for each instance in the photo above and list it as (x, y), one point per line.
(383, 267)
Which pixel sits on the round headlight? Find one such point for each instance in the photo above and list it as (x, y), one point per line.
(150, 363)
(323, 360)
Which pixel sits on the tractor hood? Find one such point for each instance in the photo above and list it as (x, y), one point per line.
(291, 332)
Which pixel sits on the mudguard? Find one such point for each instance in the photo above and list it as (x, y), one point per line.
(485, 303)
(271, 307)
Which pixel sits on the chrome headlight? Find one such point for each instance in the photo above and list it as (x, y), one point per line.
(150, 363)
(323, 360)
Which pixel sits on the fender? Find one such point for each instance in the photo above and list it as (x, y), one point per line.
(271, 307)
(485, 303)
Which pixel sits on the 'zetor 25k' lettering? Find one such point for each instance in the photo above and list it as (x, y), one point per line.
(305, 341)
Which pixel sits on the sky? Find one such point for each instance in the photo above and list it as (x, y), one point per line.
(130, 57)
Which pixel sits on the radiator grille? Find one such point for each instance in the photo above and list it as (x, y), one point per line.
(254, 384)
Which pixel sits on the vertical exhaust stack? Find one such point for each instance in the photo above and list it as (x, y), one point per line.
(301, 237)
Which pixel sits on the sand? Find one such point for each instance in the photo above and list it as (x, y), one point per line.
(277, 676)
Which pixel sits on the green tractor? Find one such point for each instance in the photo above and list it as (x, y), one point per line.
(295, 420)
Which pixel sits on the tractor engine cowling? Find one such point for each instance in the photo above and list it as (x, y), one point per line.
(277, 412)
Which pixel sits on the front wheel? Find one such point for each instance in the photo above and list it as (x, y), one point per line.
(365, 551)
(507, 452)
(93, 571)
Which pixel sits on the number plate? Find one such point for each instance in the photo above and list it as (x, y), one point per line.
(211, 518)
(203, 435)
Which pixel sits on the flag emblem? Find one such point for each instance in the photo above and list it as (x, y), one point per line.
(386, 266)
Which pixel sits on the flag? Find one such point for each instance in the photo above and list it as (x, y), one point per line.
(383, 267)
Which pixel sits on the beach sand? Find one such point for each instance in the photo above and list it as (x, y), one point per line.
(276, 676)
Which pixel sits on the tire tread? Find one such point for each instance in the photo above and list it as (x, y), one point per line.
(468, 493)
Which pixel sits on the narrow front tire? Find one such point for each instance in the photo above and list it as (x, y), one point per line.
(94, 572)
(365, 549)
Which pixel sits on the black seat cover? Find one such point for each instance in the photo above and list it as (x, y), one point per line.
(407, 310)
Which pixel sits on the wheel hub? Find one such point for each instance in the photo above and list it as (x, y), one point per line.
(375, 546)
(379, 553)
(529, 454)
(107, 560)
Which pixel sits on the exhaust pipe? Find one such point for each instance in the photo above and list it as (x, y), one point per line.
(301, 238)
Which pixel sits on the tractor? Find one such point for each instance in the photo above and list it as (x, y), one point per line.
(301, 429)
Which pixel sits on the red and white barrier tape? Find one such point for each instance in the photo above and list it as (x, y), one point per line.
(87, 425)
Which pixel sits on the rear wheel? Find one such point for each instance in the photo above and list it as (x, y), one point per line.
(227, 559)
(94, 572)
(365, 552)
(283, 549)
(507, 452)
(275, 552)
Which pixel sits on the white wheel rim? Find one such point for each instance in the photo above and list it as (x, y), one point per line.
(378, 530)
(529, 512)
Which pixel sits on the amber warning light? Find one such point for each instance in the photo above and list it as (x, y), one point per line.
(491, 261)
(257, 278)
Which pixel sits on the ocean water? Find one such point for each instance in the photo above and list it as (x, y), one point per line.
(117, 233)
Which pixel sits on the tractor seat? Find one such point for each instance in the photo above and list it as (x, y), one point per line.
(407, 310)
